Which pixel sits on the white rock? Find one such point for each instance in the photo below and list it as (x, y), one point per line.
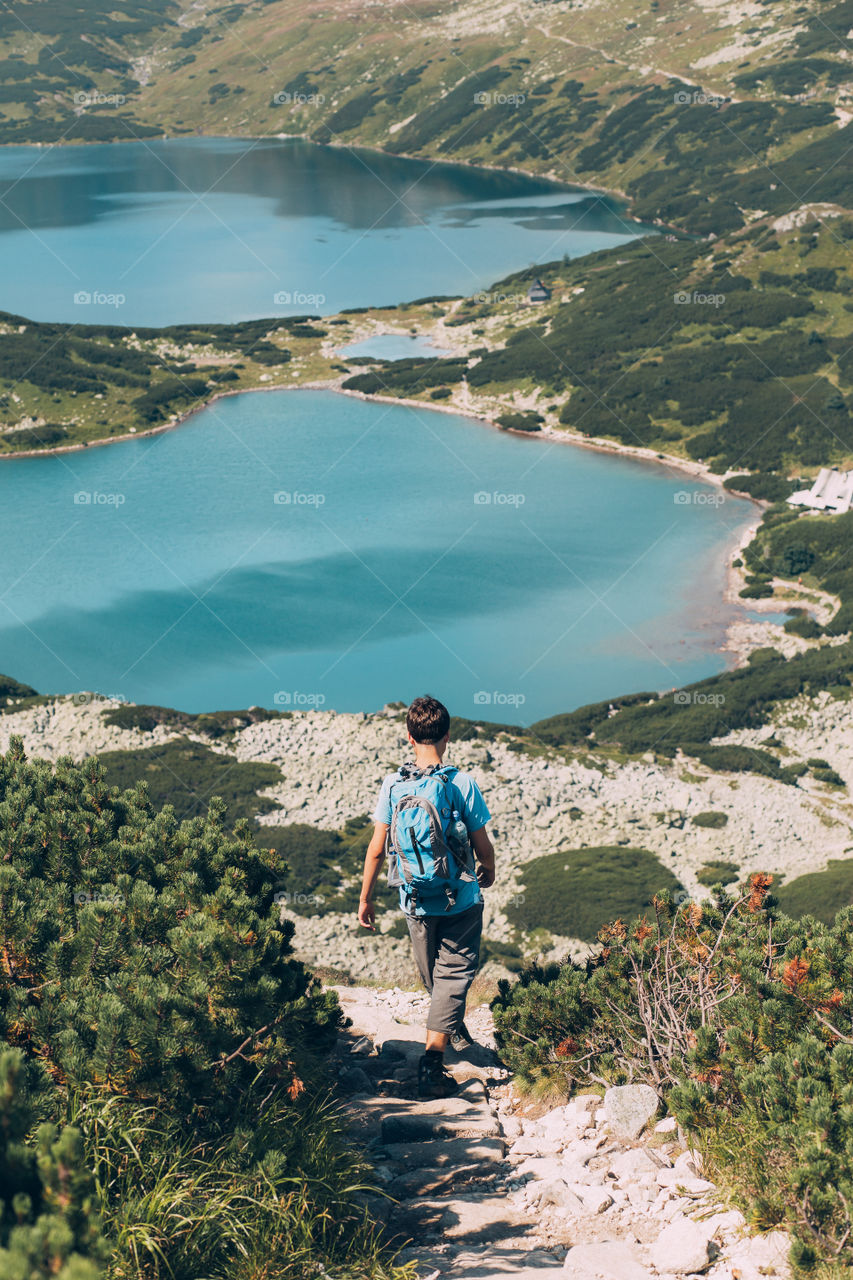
(694, 1187)
(684, 1247)
(531, 1145)
(557, 1192)
(729, 1222)
(641, 1197)
(511, 1127)
(760, 1256)
(634, 1165)
(542, 1167)
(605, 1260)
(686, 1162)
(629, 1107)
(596, 1199)
(668, 1125)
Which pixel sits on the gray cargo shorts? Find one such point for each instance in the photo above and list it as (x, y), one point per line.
(447, 952)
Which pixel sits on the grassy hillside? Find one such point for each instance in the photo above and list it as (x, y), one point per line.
(679, 105)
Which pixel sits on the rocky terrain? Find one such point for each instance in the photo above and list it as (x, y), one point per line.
(542, 801)
(486, 1185)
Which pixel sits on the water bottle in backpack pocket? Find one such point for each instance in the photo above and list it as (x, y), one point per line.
(429, 852)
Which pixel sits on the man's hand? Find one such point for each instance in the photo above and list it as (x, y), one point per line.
(484, 851)
(367, 914)
(485, 876)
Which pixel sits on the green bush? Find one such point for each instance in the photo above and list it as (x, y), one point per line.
(576, 892)
(506, 953)
(804, 625)
(762, 485)
(185, 774)
(150, 987)
(756, 591)
(711, 873)
(821, 894)
(828, 775)
(49, 1228)
(520, 421)
(740, 1018)
(710, 818)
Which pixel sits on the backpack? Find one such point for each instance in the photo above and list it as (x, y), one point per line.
(429, 851)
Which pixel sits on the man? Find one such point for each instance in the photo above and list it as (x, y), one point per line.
(444, 915)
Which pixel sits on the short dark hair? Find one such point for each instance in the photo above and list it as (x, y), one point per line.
(427, 720)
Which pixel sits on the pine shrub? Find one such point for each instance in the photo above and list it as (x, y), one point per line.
(147, 984)
(742, 1019)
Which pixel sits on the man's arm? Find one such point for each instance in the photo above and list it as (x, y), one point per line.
(373, 860)
(484, 851)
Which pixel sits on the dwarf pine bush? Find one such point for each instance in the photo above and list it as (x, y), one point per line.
(147, 985)
(742, 1019)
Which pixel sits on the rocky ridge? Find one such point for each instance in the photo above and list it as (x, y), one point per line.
(541, 802)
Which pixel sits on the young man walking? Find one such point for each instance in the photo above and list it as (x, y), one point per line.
(431, 823)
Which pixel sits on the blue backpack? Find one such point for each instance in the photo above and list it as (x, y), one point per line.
(429, 851)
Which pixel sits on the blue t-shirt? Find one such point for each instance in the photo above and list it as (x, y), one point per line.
(473, 811)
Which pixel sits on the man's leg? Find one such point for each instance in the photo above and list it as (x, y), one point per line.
(457, 954)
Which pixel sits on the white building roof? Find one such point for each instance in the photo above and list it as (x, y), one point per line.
(831, 491)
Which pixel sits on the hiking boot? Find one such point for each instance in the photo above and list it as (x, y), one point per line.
(434, 1080)
(461, 1040)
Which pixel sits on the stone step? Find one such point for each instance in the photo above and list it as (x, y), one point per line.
(482, 1217)
(417, 1183)
(446, 1153)
(422, 1126)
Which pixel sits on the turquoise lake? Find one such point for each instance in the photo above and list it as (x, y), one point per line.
(219, 229)
(299, 548)
(407, 549)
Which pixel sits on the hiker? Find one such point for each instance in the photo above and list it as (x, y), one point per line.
(431, 823)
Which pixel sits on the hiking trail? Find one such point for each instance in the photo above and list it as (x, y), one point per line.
(488, 1186)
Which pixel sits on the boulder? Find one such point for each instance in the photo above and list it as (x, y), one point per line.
(605, 1260)
(557, 1192)
(629, 1108)
(354, 1080)
(760, 1256)
(684, 1247)
(635, 1165)
(595, 1199)
(668, 1125)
